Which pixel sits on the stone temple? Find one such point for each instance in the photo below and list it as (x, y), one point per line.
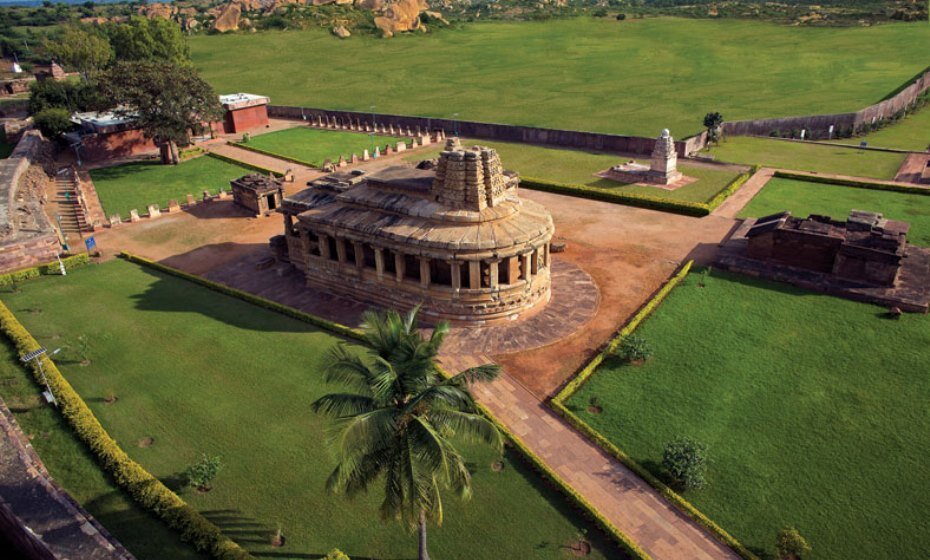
(457, 239)
(662, 169)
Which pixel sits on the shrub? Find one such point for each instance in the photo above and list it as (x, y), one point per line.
(634, 348)
(686, 460)
(336, 554)
(790, 545)
(201, 474)
(53, 122)
(621, 17)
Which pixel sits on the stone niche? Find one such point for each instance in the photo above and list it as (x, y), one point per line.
(261, 194)
(456, 239)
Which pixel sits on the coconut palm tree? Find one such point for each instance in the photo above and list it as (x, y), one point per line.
(402, 420)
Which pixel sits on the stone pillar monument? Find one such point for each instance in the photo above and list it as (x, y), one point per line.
(664, 166)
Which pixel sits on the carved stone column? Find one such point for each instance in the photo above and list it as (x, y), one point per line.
(474, 275)
(359, 254)
(324, 246)
(456, 267)
(379, 262)
(424, 272)
(400, 264)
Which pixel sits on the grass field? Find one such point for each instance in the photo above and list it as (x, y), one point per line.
(808, 157)
(202, 372)
(803, 198)
(69, 463)
(810, 405)
(133, 186)
(578, 167)
(633, 77)
(314, 146)
(911, 133)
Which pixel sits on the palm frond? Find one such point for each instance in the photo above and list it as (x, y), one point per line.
(347, 368)
(473, 427)
(478, 374)
(339, 405)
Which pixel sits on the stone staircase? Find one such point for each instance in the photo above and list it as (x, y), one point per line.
(70, 209)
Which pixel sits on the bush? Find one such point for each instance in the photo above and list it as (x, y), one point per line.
(633, 348)
(621, 17)
(336, 554)
(53, 122)
(790, 545)
(201, 474)
(65, 94)
(686, 460)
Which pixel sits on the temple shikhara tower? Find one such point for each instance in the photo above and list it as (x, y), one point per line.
(662, 169)
(457, 240)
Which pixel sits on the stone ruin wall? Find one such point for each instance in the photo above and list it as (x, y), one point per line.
(818, 126)
(27, 237)
(636, 145)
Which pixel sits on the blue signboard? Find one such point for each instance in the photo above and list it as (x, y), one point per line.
(90, 243)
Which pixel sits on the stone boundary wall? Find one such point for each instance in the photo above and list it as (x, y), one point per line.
(21, 247)
(597, 141)
(60, 512)
(818, 126)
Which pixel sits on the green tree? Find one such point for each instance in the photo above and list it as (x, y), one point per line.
(157, 40)
(713, 123)
(65, 94)
(790, 545)
(202, 473)
(80, 49)
(166, 100)
(401, 422)
(53, 122)
(686, 460)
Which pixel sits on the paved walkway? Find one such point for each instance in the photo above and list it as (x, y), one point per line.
(617, 493)
(56, 520)
(735, 203)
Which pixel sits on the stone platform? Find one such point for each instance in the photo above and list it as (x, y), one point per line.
(910, 293)
(625, 179)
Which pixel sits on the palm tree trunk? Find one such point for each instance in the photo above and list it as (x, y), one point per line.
(424, 554)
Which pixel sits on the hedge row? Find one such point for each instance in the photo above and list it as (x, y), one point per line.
(558, 404)
(855, 183)
(651, 202)
(624, 541)
(144, 488)
(274, 155)
(234, 161)
(71, 262)
(331, 326)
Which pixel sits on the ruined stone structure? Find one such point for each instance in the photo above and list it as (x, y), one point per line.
(262, 194)
(244, 111)
(457, 239)
(866, 257)
(662, 170)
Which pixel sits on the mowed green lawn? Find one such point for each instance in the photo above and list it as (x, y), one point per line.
(813, 408)
(803, 198)
(72, 466)
(911, 133)
(201, 372)
(314, 146)
(632, 77)
(808, 157)
(133, 186)
(578, 167)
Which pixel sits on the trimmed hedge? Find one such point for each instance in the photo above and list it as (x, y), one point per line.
(557, 403)
(698, 209)
(74, 261)
(331, 326)
(855, 183)
(234, 161)
(144, 488)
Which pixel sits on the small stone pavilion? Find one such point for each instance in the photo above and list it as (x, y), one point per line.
(262, 194)
(867, 257)
(456, 239)
(662, 169)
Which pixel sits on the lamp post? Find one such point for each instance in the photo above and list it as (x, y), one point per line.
(455, 124)
(35, 354)
(371, 135)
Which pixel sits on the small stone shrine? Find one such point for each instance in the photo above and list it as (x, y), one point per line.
(456, 239)
(262, 194)
(662, 170)
(867, 257)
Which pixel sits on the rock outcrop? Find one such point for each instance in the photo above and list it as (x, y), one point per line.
(228, 18)
(157, 10)
(341, 32)
(401, 16)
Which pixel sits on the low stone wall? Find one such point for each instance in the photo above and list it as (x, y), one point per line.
(27, 237)
(636, 145)
(844, 124)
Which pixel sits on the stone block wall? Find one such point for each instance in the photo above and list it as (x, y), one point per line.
(635, 145)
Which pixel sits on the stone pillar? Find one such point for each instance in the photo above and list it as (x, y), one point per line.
(424, 272)
(379, 262)
(359, 254)
(495, 280)
(527, 266)
(341, 250)
(324, 246)
(474, 275)
(513, 269)
(400, 264)
(548, 257)
(456, 275)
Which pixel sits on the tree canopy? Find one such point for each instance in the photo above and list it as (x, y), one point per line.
(81, 49)
(154, 39)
